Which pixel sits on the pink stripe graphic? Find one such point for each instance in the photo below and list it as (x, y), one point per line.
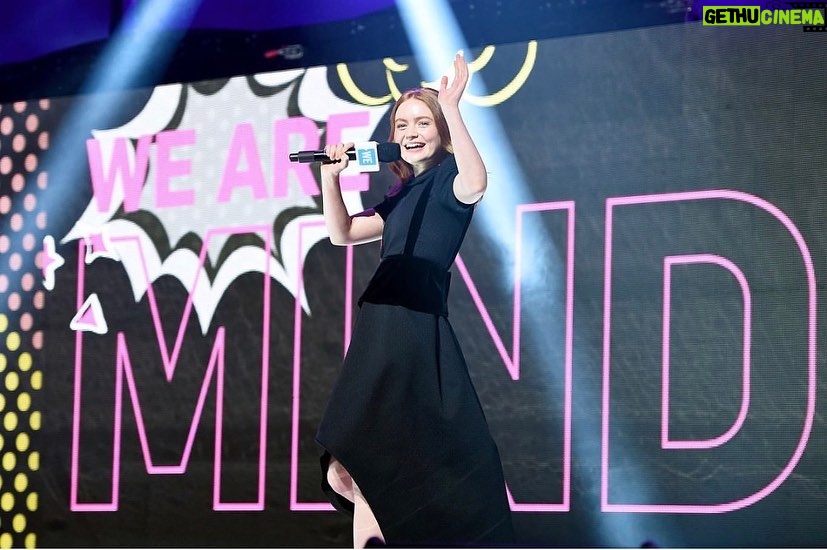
(511, 362)
(215, 369)
(668, 262)
(768, 207)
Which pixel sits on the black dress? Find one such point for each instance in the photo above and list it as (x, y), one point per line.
(403, 418)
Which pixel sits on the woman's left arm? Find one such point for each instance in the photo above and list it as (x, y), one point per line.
(472, 179)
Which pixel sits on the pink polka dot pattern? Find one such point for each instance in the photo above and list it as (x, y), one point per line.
(27, 282)
(6, 125)
(16, 222)
(26, 322)
(18, 143)
(17, 182)
(24, 138)
(32, 123)
(29, 242)
(39, 299)
(15, 261)
(31, 162)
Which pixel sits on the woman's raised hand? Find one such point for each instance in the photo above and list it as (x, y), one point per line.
(449, 96)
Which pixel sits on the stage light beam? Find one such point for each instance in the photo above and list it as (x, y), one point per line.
(435, 35)
(134, 55)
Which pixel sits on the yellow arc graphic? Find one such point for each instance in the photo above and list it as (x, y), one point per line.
(392, 67)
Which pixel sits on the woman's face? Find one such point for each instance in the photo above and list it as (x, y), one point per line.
(416, 132)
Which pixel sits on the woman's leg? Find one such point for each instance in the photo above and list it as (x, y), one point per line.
(365, 526)
(339, 479)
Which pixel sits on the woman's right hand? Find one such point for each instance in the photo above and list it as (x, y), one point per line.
(341, 227)
(337, 153)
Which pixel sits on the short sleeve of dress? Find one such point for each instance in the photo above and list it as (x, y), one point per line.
(445, 191)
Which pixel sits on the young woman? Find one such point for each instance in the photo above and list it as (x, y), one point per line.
(406, 445)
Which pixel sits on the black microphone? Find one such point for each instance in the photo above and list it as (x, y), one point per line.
(386, 152)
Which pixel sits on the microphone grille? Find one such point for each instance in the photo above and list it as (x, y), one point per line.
(388, 152)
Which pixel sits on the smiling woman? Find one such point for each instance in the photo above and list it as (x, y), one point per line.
(406, 446)
(424, 138)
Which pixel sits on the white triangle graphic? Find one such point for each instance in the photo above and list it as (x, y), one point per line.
(89, 317)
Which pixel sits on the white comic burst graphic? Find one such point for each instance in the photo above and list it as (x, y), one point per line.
(213, 118)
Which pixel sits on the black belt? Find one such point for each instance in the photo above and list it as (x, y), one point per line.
(410, 282)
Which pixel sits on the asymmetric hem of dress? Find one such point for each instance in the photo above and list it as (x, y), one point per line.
(415, 440)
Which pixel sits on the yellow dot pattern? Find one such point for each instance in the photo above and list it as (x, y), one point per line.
(23, 140)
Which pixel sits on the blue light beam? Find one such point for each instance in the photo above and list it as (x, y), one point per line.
(435, 36)
(133, 53)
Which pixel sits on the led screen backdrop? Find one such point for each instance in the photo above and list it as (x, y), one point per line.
(638, 296)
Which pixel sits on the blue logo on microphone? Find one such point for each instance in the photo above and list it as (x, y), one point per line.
(367, 157)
